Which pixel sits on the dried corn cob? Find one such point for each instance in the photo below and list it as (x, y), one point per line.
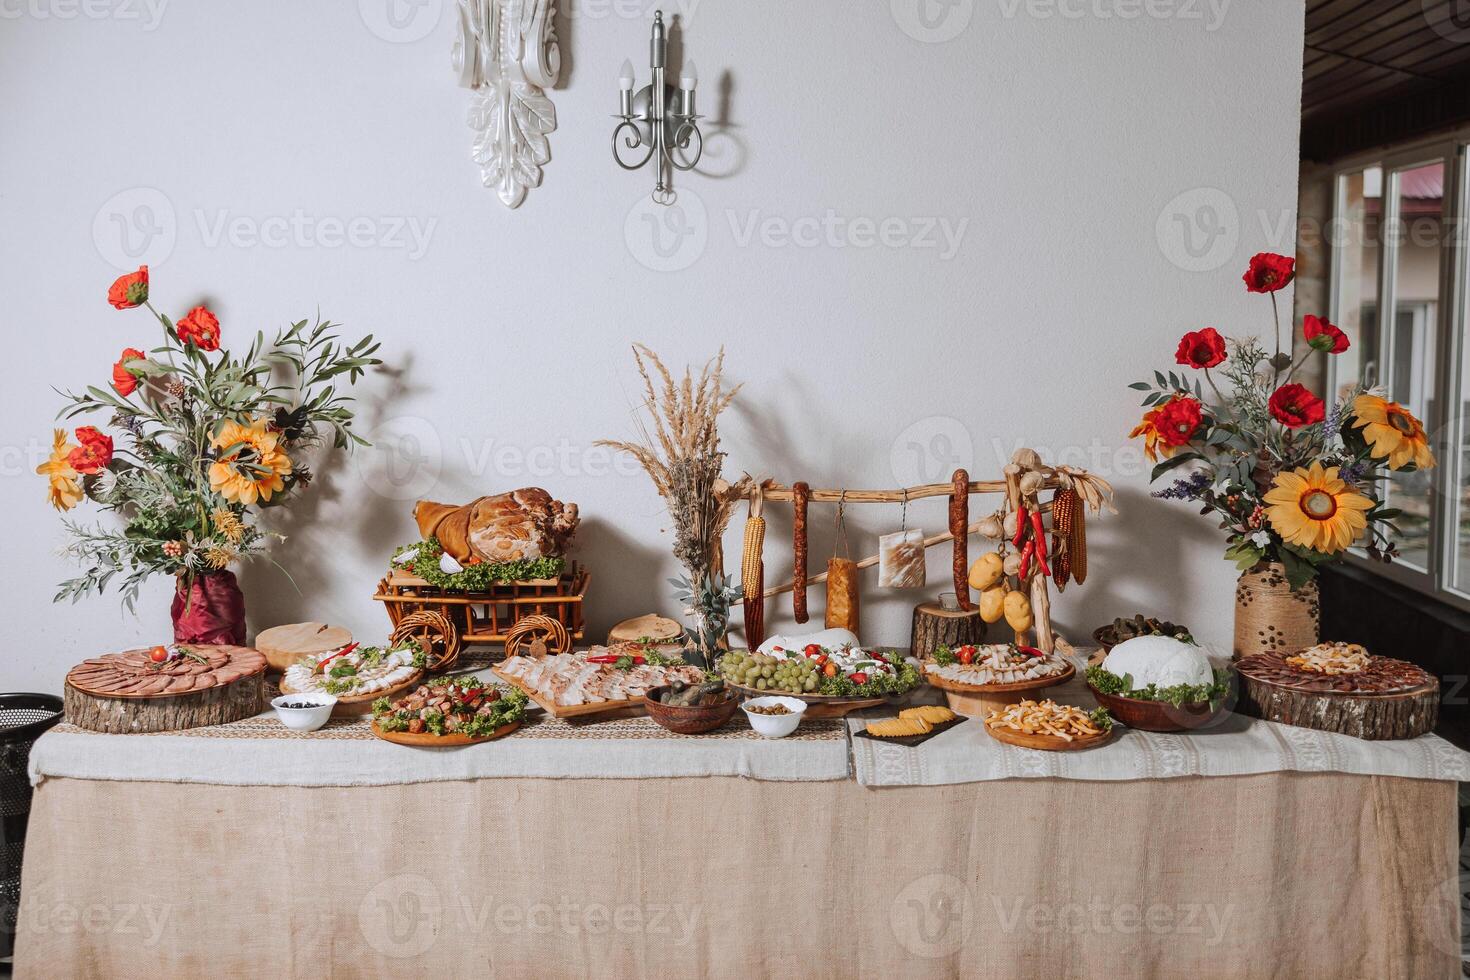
(752, 579)
(1069, 516)
(1063, 511)
(1077, 542)
(750, 558)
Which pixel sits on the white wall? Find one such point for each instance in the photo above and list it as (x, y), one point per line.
(1058, 138)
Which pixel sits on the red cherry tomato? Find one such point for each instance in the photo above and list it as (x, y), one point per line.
(813, 650)
(158, 654)
(859, 678)
(967, 655)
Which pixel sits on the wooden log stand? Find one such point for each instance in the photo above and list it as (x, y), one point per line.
(1405, 713)
(936, 626)
(121, 693)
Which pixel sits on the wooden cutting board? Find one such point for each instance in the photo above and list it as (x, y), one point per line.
(284, 645)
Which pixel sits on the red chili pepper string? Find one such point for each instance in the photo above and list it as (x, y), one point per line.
(1027, 553)
(1020, 526)
(1039, 533)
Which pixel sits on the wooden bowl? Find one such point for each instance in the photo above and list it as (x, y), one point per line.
(694, 719)
(1156, 716)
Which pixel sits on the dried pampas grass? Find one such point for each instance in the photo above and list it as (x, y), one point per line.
(680, 451)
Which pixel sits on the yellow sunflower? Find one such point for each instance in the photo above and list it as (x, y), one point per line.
(65, 491)
(1393, 432)
(1315, 509)
(255, 470)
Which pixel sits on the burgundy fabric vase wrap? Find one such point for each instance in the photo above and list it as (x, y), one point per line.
(211, 611)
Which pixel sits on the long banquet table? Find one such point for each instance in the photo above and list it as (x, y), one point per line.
(616, 849)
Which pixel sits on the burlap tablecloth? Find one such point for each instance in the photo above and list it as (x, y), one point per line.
(1280, 875)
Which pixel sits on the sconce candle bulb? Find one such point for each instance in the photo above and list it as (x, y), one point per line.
(659, 118)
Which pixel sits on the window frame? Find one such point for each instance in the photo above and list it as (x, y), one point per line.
(1446, 424)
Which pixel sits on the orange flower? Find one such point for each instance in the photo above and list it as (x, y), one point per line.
(130, 290)
(94, 453)
(1166, 428)
(200, 328)
(254, 471)
(1393, 432)
(64, 492)
(122, 379)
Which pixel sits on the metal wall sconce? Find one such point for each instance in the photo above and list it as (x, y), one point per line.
(658, 118)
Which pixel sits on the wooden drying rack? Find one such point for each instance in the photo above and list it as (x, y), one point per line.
(1024, 462)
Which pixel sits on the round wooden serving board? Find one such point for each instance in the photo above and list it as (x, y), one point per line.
(978, 700)
(125, 693)
(1047, 743)
(361, 704)
(424, 740)
(284, 645)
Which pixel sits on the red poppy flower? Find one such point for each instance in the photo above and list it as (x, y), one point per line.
(1294, 406)
(130, 290)
(122, 379)
(1201, 349)
(94, 453)
(200, 328)
(1324, 336)
(1177, 420)
(1269, 272)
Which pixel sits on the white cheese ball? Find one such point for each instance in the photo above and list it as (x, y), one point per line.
(1160, 660)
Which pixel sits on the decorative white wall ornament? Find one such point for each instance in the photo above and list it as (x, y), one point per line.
(506, 54)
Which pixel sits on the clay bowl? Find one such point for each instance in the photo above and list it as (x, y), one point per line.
(1156, 716)
(694, 719)
(1106, 637)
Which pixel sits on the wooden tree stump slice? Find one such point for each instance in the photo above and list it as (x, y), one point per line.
(1390, 699)
(661, 629)
(126, 693)
(283, 646)
(936, 626)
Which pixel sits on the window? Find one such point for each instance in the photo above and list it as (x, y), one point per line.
(1399, 292)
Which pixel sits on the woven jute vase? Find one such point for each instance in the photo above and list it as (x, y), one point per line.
(1270, 617)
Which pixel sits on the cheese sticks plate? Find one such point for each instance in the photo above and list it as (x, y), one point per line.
(1049, 726)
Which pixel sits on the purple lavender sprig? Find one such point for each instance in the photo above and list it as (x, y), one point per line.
(1192, 487)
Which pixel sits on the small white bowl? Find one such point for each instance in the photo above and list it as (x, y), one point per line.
(304, 719)
(774, 726)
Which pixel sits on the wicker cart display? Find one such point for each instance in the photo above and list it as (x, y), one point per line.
(544, 610)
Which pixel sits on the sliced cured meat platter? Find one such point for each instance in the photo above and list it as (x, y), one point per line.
(1389, 699)
(425, 740)
(579, 711)
(126, 693)
(350, 705)
(601, 689)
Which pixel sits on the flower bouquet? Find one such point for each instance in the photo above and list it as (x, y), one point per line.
(1294, 480)
(209, 438)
